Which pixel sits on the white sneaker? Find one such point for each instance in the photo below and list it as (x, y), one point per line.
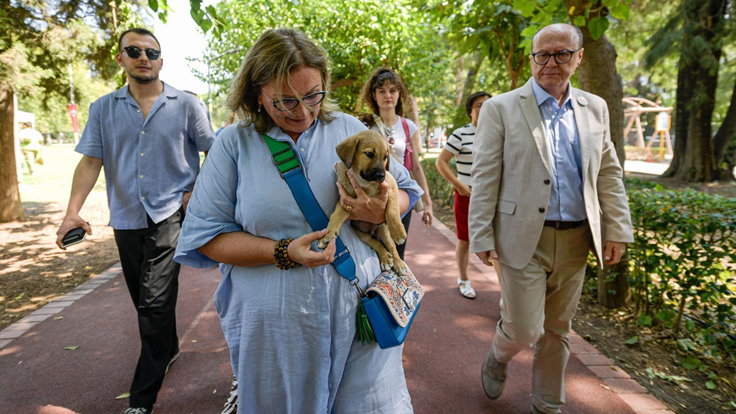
(465, 289)
(231, 405)
(131, 410)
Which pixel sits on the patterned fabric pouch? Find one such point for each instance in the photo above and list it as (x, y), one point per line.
(391, 302)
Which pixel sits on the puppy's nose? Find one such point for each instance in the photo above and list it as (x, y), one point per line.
(380, 174)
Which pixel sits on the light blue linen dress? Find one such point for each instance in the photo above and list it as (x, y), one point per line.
(292, 334)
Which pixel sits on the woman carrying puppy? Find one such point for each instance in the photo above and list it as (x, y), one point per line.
(289, 319)
(387, 97)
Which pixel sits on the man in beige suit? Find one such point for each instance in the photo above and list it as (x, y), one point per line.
(547, 188)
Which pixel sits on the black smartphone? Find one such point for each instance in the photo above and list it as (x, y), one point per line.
(73, 237)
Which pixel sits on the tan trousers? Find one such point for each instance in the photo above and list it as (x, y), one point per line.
(31, 157)
(539, 302)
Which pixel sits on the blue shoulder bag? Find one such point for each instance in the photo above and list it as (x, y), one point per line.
(387, 308)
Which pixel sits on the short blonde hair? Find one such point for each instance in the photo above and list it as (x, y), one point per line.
(274, 55)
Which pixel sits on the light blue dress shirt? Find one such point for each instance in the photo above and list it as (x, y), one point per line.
(149, 164)
(566, 202)
(291, 334)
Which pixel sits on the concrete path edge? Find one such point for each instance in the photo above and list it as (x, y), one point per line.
(17, 329)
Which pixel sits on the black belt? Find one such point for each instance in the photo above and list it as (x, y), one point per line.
(564, 225)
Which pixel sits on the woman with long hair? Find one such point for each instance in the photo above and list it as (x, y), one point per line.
(387, 96)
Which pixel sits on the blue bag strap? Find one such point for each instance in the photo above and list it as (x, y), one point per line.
(291, 171)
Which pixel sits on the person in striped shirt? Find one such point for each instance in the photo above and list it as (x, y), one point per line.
(460, 146)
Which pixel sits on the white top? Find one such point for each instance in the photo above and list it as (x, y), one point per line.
(30, 139)
(400, 137)
(460, 143)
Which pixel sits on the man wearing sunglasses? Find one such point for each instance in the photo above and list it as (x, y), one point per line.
(148, 136)
(547, 188)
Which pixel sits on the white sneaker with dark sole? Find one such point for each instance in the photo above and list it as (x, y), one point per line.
(231, 405)
(131, 410)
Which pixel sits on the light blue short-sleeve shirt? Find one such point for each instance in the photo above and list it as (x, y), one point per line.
(149, 163)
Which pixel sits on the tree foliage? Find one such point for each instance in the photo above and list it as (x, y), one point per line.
(38, 40)
(493, 28)
(481, 32)
(358, 37)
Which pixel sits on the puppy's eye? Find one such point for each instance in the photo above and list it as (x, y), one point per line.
(369, 154)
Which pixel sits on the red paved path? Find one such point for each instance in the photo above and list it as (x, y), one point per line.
(451, 336)
(442, 356)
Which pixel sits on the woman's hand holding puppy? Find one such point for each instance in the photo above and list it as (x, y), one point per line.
(364, 207)
(300, 250)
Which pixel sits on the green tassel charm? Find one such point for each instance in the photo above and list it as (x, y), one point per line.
(365, 332)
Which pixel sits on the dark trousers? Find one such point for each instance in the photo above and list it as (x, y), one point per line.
(152, 277)
(405, 221)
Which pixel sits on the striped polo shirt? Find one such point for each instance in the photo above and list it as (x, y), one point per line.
(460, 143)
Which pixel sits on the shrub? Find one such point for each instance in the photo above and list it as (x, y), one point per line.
(683, 260)
(442, 191)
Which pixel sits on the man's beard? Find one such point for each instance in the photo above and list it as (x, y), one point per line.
(144, 80)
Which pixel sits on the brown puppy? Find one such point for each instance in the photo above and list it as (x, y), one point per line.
(366, 156)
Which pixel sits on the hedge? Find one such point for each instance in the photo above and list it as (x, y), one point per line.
(682, 262)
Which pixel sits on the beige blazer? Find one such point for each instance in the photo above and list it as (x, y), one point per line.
(511, 176)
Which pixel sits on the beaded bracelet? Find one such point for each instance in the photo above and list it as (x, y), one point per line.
(281, 255)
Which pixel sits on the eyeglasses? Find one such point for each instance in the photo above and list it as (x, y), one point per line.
(135, 52)
(561, 57)
(287, 104)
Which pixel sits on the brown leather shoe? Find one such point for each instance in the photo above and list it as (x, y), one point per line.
(493, 376)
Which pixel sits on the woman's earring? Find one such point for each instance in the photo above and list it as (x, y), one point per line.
(259, 108)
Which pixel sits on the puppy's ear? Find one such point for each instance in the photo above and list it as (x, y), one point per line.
(346, 150)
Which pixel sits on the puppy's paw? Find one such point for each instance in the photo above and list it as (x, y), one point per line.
(397, 232)
(400, 267)
(323, 242)
(386, 259)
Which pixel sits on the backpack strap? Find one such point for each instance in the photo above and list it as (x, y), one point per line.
(408, 162)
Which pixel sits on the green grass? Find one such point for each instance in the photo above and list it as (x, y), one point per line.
(52, 182)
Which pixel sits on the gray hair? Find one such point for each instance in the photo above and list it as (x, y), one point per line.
(577, 33)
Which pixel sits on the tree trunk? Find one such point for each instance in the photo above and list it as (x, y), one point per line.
(598, 75)
(685, 92)
(698, 165)
(461, 117)
(11, 208)
(725, 134)
(460, 62)
(701, 52)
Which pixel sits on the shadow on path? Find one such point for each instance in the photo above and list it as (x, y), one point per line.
(442, 356)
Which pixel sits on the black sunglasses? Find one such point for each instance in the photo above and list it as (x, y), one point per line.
(135, 52)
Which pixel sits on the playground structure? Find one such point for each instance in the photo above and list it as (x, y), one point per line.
(635, 108)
